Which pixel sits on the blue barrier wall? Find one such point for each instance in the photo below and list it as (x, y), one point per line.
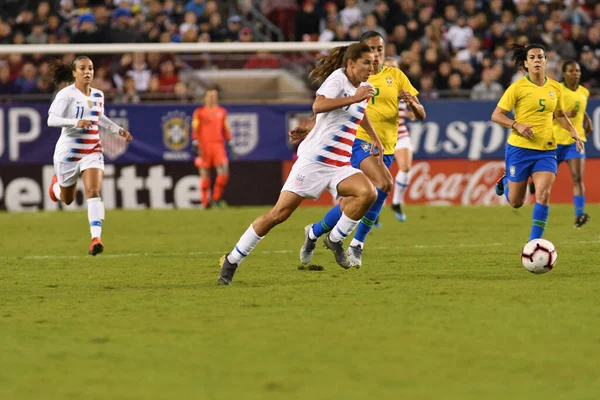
(454, 129)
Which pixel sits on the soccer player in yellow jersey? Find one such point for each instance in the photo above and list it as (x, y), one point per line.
(531, 147)
(390, 85)
(575, 99)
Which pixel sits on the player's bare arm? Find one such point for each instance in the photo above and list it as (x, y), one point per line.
(565, 122)
(377, 147)
(499, 116)
(587, 122)
(301, 132)
(414, 104)
(322, 104)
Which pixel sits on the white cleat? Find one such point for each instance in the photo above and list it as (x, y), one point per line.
(308, 248)
(354, 254)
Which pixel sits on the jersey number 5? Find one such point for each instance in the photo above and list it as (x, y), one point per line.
(542, 101)
(79, 113)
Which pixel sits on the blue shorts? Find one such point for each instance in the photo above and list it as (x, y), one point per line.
(566, 152)
(521, 162)
(362, 150)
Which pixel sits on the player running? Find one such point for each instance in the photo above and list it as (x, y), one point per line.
(79, 110)
(324, 156)
(531, 147)
(209, 128)
(403, 153)
(575, 99)
(391, 85)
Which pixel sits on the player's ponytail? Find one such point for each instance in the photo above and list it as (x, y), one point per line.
(337, 58)
(60, 72)
(520, 53)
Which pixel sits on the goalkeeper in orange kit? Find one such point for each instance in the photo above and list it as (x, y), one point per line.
(211, 135)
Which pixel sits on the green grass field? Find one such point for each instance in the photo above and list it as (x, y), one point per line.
(442, 309)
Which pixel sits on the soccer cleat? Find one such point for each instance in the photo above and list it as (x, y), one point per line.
(500, 185)
(219, 203)
(96, 247)
(354, 254)
(227, 271)
(531, 188)
(338, 252)
(308, 248)
(397, 209)
(51, 191)
(581, 220)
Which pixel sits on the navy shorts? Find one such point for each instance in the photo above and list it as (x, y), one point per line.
(521, 162)
(362, 150)
(566, 152)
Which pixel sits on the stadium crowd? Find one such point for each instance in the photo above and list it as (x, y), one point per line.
(448, 48)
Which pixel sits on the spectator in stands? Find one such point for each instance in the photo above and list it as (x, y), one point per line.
(190, 21)
(122, 30)
(263, 60)
(168, 77)
(488, 88)
(128, 94)
(331, 14)
(328, 34)
(281, 13)
(217, 31)
(426, 88)
(382, 14)
(307, 21)
(28, 79)
(351, 14)
(246, 35)
(371, 24)
(341, 35)
(195, 6)
(234, 24)
(87, 30)
(7, 85)
(590, 67)
(459, 34)
(37, 35)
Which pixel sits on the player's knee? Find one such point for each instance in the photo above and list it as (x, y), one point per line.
(385, 184)
(517, 203)
(91, 193)
(367, 195)
(577, 180)
(542, 195)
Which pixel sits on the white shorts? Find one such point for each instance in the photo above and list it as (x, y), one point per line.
(68, 172)
(404, 143)
(309, 179)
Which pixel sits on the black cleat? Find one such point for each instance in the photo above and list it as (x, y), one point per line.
(581, 220)
(227, 271)
(338, 252)
(500, 185)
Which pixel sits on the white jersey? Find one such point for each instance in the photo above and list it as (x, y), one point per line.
(402, 129)
(331, 139)
(74, 143)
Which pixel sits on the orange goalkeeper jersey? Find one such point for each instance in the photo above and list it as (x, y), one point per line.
(208, 126)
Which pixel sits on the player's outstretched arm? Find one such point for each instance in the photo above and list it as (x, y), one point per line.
(55, 121)
(105, 123)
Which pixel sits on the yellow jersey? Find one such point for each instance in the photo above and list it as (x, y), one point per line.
(534, 105)
(383, 106)
(574, 100)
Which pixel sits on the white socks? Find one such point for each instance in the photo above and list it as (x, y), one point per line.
(357, 243)
(244, 246)
(56, 190)
(95, 216)
(400, 184)
(343, 228)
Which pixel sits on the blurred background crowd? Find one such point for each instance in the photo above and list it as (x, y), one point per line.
(447, 48)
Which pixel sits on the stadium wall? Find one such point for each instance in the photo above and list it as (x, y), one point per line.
(458, 154)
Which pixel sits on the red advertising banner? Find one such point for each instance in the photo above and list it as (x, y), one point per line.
(465, 182)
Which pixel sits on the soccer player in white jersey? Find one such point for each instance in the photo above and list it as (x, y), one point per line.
(324, 156)
(79, 110)
(403, 153)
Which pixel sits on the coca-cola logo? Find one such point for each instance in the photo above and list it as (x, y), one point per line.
(456, 182)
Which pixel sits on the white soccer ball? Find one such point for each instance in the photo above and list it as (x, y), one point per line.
(539, 256)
